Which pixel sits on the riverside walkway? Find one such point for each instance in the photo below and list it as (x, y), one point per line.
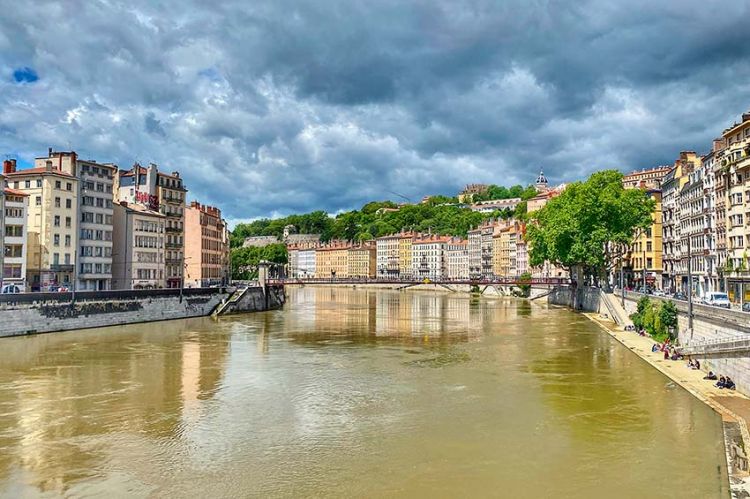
(733, 407)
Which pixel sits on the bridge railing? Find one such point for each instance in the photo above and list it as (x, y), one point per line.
(552, 281)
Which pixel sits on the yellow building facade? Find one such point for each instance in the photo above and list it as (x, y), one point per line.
(362, 261)
(52, 224)
(332, 261)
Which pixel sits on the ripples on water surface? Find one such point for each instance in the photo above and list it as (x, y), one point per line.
(351, 393)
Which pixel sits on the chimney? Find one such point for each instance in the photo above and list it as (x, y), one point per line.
(48, 165)
(9, 166)
(718, 145)
(49, 152)
(745, 116)
(176, 174)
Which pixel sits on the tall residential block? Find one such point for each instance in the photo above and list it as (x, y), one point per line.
(206, 247)
(735, 160)
(52, 222)
(166, 194)
(138, 261)
(14, 205)
(643, 261)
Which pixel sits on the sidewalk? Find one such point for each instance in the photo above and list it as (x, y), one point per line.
(733, 407)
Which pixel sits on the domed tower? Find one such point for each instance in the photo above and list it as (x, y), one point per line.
(541, 182)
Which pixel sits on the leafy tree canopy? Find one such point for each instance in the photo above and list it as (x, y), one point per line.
(589, 224)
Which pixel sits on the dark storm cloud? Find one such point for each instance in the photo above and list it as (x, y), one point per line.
(274, 107)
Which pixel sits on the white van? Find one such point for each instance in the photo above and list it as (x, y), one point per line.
(716, 299)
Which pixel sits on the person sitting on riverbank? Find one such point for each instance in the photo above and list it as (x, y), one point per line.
(690, 364)
(676, 356)
(729, 384)
(666, 354)
(697, 365)
(655, 348)
(710, 376)
(720, 384)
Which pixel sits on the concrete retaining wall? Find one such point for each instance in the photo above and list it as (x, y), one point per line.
(48, 312)
(255, 300)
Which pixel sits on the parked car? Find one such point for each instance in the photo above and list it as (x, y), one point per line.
(716, 299)
(11, 289)
(746, 307)
(659, 292)
(680, 296)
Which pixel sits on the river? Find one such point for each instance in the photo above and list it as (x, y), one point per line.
(352, 393)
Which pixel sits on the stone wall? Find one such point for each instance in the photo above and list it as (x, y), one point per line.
(48, 312)
(586, 299)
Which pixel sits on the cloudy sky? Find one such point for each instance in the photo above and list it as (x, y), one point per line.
(278, 107)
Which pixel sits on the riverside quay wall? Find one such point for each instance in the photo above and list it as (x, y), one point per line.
(719, 329)
(31, 313)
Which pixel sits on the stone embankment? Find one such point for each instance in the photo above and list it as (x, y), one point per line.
(31, 313)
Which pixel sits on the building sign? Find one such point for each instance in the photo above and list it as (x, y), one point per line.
(146, 199)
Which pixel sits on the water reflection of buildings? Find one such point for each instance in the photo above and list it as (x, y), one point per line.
(82, 387)
(392, 314)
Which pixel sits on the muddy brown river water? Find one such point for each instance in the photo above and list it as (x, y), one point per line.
(351, 393)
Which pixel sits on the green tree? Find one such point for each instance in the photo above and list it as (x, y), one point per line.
(589, 225)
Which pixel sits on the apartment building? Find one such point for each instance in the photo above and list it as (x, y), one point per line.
(388, 256)
(52, 222)
(480, 251)
(405, 242)
(166, 194)
(497, 250)
(94, 218)
(332, 260)
(735, 160)
(14, 207)
(138, 259)
(428, 257)
(720, 182)
(206, 246)
(457, 259)
(362, 261)
(644, 261)
(172, 197)
(674, 268)
(522, 253)
(306, 262)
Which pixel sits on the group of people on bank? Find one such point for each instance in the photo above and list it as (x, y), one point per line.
(722, 383)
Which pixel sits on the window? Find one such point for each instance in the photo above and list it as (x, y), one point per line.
(68, 186)
(13, 231)
(56, 239)
(13, 251)
(68, 222)
(38, 201)
(67, 258)
(648, 245)
(56, 258)
(67, 240)
(27, 184)
(57, 202)
(58, 184)
(68, 203)
(99, 218)
(57, 221)
(39, 182)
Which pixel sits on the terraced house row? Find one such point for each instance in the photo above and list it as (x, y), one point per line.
(698, 241)
(71, 223)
